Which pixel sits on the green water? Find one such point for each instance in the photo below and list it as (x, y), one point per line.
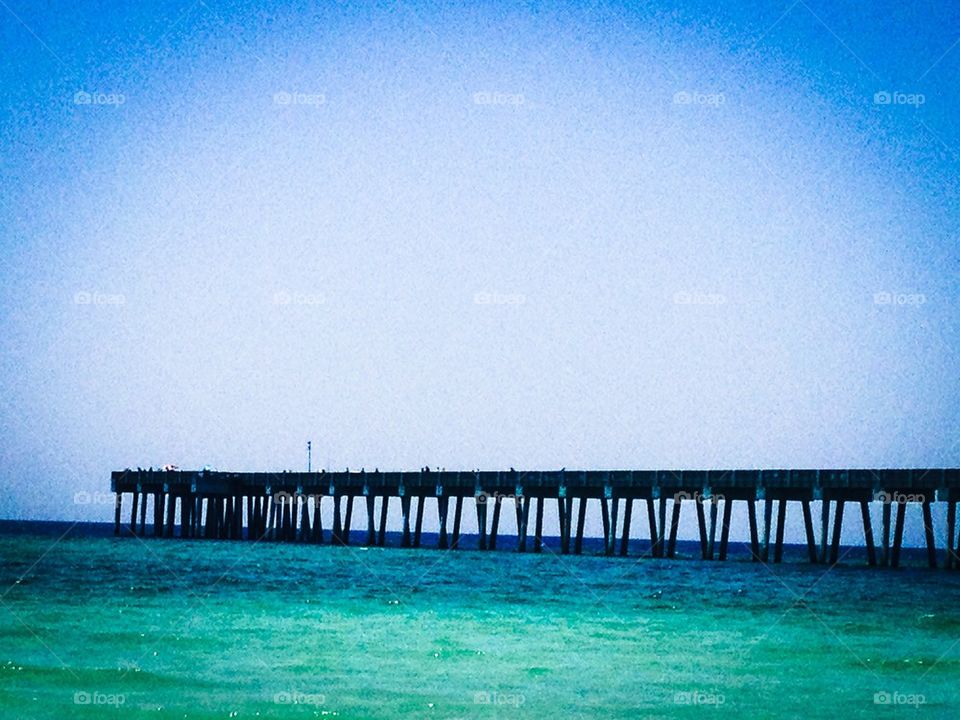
(99, 627)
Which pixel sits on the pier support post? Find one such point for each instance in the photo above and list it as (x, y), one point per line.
(495, 525)
(443, 507)
(288, 528)
(371, 521)
(226, 531)
(481, 502)
(781, 521)
(868, 533)
(159, 499)
(337, 534)
(605, 519)
(348, 519)
(523, 508)
(238, 517)
(171, 515)
(118, 506)
(538, 527)
(143, 515)
(951, 559)
(725, 527)
(928, 532)
(662, 526)
(711, 538)
(627, 515)
(885, 532)
(418, 527)
(405, 511)
(382, 533)
(581, 517)
(808, 528)
(236, 514)
(837, 525)
(612, 535)
(210, 524)
(457, 515)
(652, 523)
(754, 537)
(305, 529)
(276, 517)
(186, 507)
(702, 526)
(824, 529)
(562, 511)
(765, 536)
(316, 531)
(898, 535)
(674, 525)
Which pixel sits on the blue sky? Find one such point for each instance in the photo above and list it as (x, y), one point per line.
(582, 235)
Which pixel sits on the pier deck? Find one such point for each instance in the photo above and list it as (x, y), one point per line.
(286, 506)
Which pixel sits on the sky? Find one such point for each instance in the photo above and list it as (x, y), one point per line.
(469, 235)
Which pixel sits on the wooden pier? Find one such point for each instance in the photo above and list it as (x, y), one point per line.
(287, 506)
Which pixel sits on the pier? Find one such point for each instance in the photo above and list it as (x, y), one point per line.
(633, 505)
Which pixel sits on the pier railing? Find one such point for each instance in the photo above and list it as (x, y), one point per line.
(286, 506)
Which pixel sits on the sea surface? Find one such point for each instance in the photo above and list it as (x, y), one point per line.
(93, 626)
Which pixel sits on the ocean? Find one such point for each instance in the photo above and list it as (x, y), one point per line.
(94, 626)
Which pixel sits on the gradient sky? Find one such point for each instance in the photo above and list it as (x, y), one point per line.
(659, 237)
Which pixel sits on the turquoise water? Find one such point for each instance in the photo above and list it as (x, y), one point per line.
(104, 627)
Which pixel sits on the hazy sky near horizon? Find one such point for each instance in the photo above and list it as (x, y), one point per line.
(475, 235)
